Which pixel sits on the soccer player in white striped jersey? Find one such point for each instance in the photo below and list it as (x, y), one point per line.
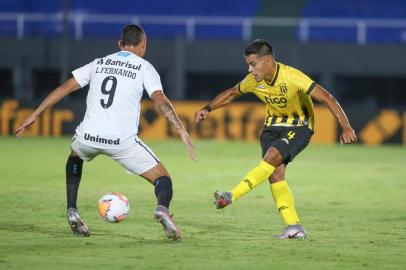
(110, 125)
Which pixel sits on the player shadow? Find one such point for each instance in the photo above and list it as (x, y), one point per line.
(137, 239)
(37, 229)
(29, 228)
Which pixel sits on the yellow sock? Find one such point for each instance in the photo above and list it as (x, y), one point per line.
(284, 202)
(254, 178)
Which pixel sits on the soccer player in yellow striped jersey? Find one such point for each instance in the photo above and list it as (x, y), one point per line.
(287, 94)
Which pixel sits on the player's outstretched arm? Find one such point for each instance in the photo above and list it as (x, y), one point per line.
(59, 93)
(323, 96)
(221, 100)
(165, 107)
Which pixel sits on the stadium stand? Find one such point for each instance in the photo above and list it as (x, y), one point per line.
(393, 30)
(360, 9)
(222, 8)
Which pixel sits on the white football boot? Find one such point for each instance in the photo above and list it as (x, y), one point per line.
(77, 225)
(293, 232)
(161, 214)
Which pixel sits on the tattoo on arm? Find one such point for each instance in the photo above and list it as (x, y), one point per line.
(167, 110)
(338, 112)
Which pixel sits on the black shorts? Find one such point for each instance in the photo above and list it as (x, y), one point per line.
(288, 140)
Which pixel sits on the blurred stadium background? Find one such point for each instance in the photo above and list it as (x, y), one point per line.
(353, 48)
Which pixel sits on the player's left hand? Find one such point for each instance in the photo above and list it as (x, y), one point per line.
(201, 115)
(188, 142)
(348, 136)
(28, 122)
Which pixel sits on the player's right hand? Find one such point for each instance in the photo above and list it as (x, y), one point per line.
(28, 122)
(201, 115)
(348, 136)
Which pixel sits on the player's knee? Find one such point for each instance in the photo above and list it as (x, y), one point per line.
(273, 157)
(276, 177)
(163, 180)
(154, 173)
(160, 170)
(73, 154)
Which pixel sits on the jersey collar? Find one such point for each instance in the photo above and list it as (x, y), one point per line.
(276, 75)
(124, 52)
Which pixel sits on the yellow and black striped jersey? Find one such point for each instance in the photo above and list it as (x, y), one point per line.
(287, 97)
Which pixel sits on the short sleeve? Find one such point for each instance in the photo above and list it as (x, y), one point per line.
(152, 80)
(247, 84)
(82, 75)
(302, 81)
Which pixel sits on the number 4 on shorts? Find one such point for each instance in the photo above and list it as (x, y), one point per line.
(291, 135)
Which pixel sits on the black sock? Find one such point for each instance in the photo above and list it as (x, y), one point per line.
(73, 176)
(163, 190)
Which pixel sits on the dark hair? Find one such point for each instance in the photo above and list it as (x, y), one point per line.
(259, 47)
(132, 35)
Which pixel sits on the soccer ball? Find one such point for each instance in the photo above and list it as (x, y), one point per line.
(114, 207)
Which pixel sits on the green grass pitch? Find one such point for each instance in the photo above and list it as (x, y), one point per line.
(351, 200)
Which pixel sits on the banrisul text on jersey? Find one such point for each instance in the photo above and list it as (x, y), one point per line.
(129, 71)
